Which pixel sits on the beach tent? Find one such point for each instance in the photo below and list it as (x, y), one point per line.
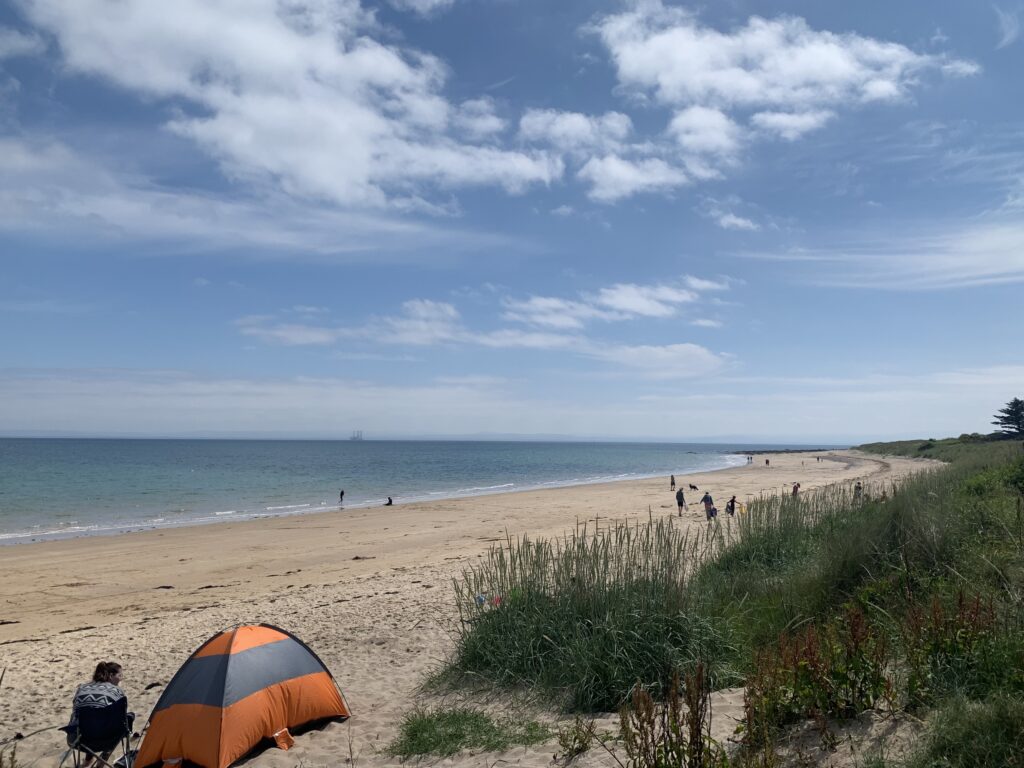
(243, 685)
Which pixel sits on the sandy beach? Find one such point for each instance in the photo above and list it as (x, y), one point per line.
(369, 590)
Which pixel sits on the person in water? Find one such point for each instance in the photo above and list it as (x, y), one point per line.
(341, 497)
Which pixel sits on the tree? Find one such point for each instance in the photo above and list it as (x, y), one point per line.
(1010, 419)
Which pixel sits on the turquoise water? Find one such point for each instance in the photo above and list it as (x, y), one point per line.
(52, 488)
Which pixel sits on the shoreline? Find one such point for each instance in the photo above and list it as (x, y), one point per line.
(18, 539)
(370, 593)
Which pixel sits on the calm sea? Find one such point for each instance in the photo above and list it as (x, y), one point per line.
(52, 488)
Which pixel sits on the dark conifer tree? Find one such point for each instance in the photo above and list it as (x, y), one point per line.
(1010, 419)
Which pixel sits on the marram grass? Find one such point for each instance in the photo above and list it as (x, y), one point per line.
(585, 617)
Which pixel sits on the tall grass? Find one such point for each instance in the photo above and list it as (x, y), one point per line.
(974, 734)
(583, 618)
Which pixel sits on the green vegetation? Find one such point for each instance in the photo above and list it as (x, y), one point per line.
(583, 618)
(823, 605)
(973, 734)
(1010, 419)
(447, 731)
(575, 739)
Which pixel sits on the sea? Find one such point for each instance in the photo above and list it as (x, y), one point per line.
(60, 488)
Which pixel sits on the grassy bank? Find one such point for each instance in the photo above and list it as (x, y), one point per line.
(823, 605)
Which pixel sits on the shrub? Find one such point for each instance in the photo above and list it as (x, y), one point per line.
(944, 644)
(836, 671)
(675, 734)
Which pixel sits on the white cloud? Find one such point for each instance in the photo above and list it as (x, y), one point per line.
(14, 43)
(791, 125)
(622, 301)
(704, 322)
(563, 211)
(768, 79)
(719, 212)
(732, 221)
(976, 254)
(53, 192)
(613, 178)
(575, 132)
(478, 119)
(296, 95)
(644, 300)
(551, 312)
(422, 7)
(704, 130)
(701, 284)
(773, 63)
(289, 334)
(1009, 25)
(671, 361)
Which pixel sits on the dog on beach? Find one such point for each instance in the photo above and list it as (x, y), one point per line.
(694, 487)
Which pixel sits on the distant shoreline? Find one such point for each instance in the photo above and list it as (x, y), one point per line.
(16, 539)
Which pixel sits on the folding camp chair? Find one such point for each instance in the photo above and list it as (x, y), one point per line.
(99, 732)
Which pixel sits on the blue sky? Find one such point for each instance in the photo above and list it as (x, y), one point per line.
(643, 220)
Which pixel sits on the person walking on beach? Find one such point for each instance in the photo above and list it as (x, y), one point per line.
(672, 482)
(341, 497)
(730, 507)
(709, 506)
(680, 501)
(767, 462)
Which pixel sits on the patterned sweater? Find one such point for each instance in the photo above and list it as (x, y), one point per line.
(94, 695)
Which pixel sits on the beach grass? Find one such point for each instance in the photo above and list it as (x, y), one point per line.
(445, 732)
(968, 733)
(583, 618)
(909, 594)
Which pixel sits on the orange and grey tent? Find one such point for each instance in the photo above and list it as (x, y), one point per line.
(242, 686)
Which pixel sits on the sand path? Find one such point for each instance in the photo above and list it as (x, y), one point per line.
(369, 590)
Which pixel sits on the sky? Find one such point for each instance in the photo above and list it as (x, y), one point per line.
(615, 219)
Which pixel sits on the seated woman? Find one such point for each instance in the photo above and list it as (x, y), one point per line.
(99, 713)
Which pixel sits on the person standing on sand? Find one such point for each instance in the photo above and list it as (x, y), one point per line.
(672, 482)
(796, 488)
(341, 497)
(767, 462)
(709, 505)
(680, 501)
(730, 507)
